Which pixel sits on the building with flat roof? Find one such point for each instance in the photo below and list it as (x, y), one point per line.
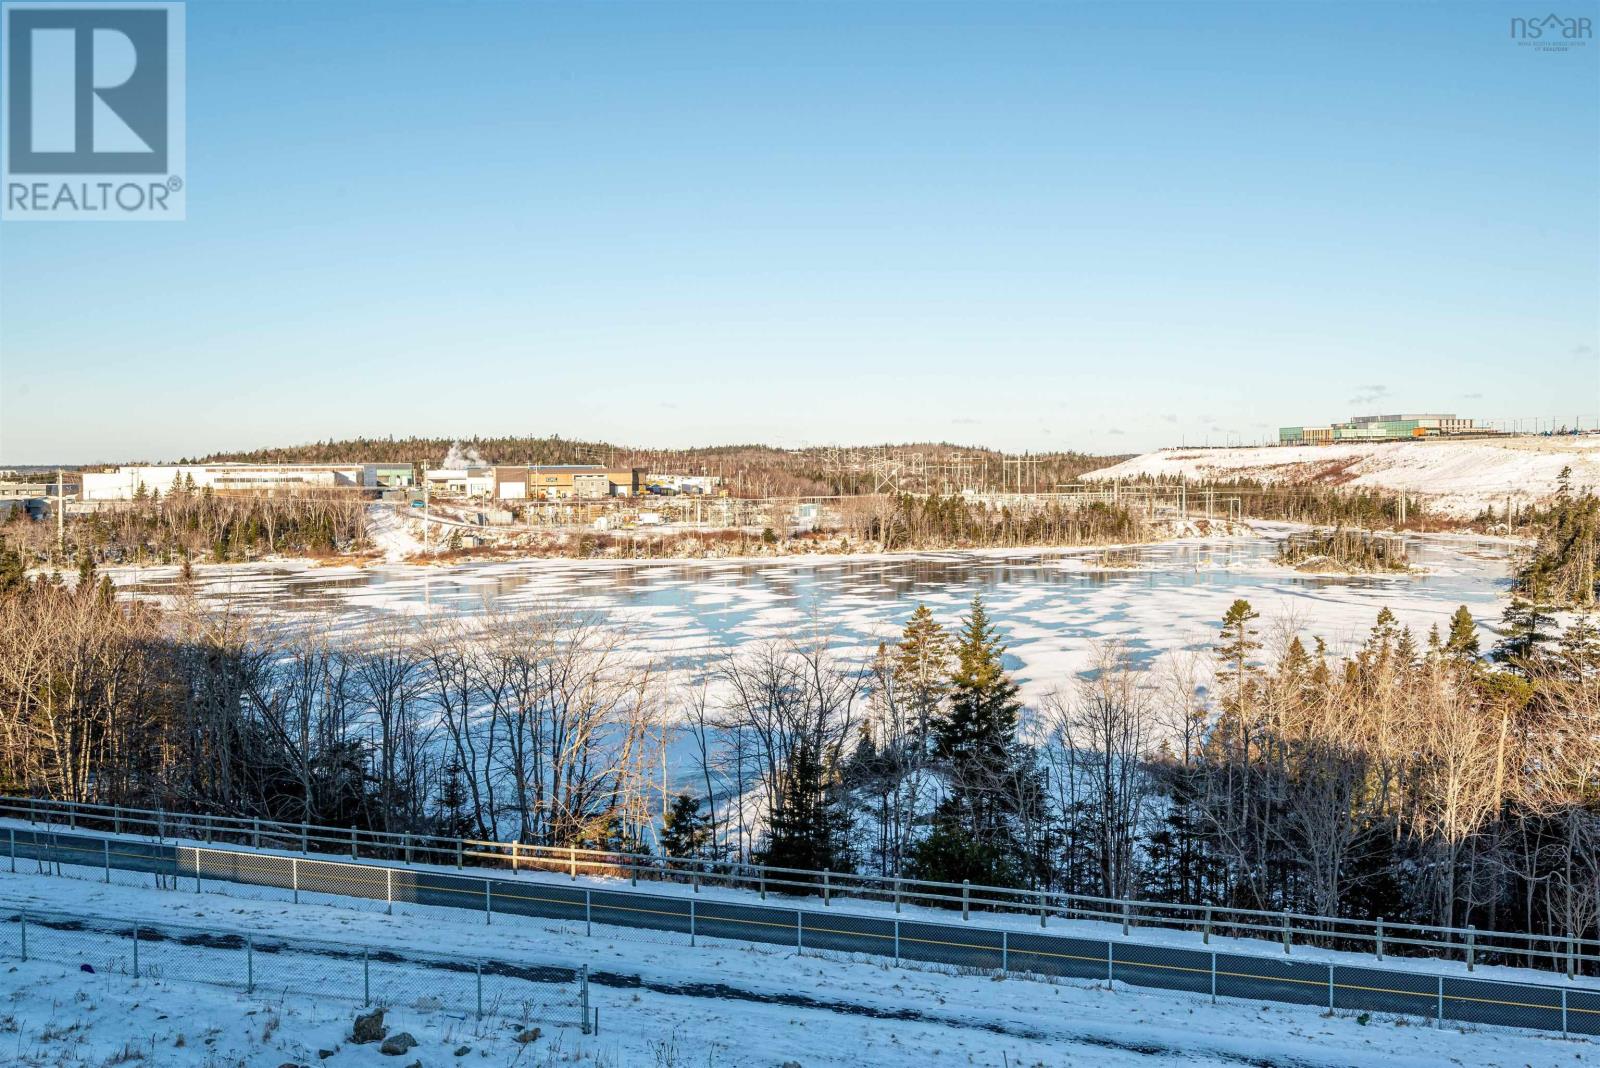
(1380, 428)
(131, 480)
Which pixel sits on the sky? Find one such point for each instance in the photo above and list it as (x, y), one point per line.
(1104, 227)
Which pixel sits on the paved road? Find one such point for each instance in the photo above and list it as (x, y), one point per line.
(1374, 988)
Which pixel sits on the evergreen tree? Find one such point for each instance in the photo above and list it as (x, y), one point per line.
(1526, 629)
(975, 833)
(450, 813)
(978, 732)
(809, 827)
(684, 832)
(1462, 641)
(13, 572)
(86, 572)
(1235, 674)
(922, 667)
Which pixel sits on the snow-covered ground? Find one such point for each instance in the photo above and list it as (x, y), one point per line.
(660, 1005)
(1462, 478)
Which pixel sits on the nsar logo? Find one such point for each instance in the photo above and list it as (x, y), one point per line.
(1552, 33)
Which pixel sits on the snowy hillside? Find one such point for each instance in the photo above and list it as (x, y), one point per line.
(1461, 477)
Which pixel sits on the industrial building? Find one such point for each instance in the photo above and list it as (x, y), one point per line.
(1380, 428)
(461, 481)
(563, 481)
(129, 481)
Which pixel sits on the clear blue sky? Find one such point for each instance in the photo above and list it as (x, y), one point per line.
(1102, 227)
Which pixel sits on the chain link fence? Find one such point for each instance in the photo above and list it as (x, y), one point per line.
(687, 919)
(272, 964)
(1567, 953)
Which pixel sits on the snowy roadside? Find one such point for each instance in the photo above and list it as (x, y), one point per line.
(721, 1005)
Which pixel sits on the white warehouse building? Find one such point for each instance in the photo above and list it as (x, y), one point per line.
(124, 483)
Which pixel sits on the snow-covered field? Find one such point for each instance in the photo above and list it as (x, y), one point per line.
(1462, 478)
(663, 1006)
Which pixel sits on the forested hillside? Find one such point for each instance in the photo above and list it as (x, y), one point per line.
(752, 470)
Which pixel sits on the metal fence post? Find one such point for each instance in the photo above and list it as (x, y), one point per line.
(1472, 934)
(13, 833)
(588, 913)
(106, 842)
(583, 993)
(691, 921)
(477, 966)
(1213, 977)
(1330, 990)
(366, 978)
(1005, 952)
(249, 964)
(488, 904)
(1380, 937)
(294, 872)
(1111, 961)
(1563, 1012)
(897, 941)
(136, 951)
(966, 890)
(1438, 1018)
(799, 934)
(388, 890)
(197, 870)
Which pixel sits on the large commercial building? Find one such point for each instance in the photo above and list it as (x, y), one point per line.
(563, 481)
(133, 480)
(1379, 428)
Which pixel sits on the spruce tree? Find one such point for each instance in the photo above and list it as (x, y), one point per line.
(1462, 641)
(809, 825)
(13, 572)
(922, 667)
(974, 835)
(684, 831)
(979, 730)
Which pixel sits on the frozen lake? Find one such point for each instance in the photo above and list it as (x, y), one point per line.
(1050, 605)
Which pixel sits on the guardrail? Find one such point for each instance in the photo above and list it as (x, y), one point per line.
(252, 961)
(684, 919)
(1569, 954)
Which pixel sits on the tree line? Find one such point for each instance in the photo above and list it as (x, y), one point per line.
(1416, 778)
